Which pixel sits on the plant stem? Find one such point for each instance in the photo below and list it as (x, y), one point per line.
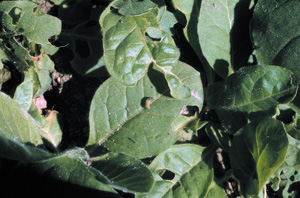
(265, 191)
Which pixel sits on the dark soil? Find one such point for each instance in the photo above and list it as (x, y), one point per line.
(71, 95)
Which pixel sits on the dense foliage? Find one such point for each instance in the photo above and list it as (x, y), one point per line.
(192, 98)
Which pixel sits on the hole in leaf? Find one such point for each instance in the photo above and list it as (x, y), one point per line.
(20, 30)
(286, 116)
(52, 39)
(295, 189)
(177, 185)
(82, 48)
(153, 34)
(20, 38)
(146, 102)
(8, 46)
(15, 14)
(37, 12)
(10, 86)
(168, 175)
(90, 24)
(189, 110)
(35, 49)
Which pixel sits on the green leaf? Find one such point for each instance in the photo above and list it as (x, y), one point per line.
(126, 54)
(286, 177)
(35, 113)
(52, 131)
(123, 172)
(14, 150)
(132, 43)
(293, 177)
(166, 19)
(26, 90)
(133, 7)
(2, 57)
(223, 34)
(218, 32)
(26, 32)
(69, 167)
(293, 128)
(214, 27)
(296, 119)
(292, 158)
(37, 80)
(178, 89)
(253, 92)
(212, 93)
(16, 124)
(191, 11)
(275, 31)
(137, 120)
(111, 170)
(43, 67)
(188, 124)
(287, 173)
(257, 150)
(36, 28)
(5, 75)
(17, 54)
(192, 166)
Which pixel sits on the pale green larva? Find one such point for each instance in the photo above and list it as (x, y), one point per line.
(148, 102)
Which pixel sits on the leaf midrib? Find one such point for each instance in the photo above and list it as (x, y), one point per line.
(241, 105)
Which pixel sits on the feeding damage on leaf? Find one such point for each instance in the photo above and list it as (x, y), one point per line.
(26, 33)
(134, 41)
(145, 120)
(188, 110)
(153, 119)
(147, 102)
